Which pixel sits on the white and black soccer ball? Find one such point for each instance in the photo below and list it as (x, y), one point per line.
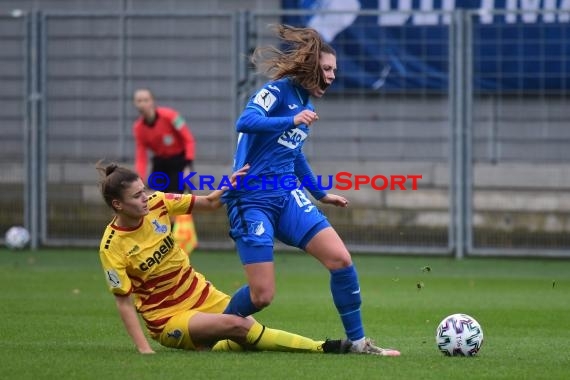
(459, 335)
(17, 237)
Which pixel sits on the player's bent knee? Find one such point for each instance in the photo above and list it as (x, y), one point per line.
(344, 261)
(262, 300)
(337, 262)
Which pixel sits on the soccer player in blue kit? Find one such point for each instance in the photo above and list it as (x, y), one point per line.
(272, 130)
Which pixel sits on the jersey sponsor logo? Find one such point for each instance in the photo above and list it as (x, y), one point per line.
(173, 196)
(158, 255)
(113, 278)
(292, 106)
(274, 88)
(159, 228)
(133, 250)
(265, 99)
(292, 138)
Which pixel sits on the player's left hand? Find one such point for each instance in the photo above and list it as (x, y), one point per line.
(335, 200)
(146, 351)
(306, 117)
(240, 173)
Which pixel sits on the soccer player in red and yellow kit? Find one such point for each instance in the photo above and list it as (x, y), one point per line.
(144, 266)
(163, 131)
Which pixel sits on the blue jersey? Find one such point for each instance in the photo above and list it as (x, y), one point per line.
(268, 139)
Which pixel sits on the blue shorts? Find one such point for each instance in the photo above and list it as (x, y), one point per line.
(291, 218)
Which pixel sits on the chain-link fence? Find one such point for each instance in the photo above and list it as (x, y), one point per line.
(92, 65)
(440, 100)
(15, 39)
(371, 128)
(519, 133)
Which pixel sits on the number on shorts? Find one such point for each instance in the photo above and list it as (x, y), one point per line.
(300, 198)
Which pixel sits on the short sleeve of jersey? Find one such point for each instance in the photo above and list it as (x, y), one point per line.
(267, 98)
(114, 263)
(179, 204)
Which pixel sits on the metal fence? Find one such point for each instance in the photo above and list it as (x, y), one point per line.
(374, 131)
(92, 64)
(15, 78)
(493, 162)
(517, 136)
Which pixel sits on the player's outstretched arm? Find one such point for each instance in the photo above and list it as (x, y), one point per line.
(212, 201)
(132, 325)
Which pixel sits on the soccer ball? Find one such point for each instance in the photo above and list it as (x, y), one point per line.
(17, 237)
(459, 335)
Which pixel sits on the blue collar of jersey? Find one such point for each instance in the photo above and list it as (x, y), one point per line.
(301, 93)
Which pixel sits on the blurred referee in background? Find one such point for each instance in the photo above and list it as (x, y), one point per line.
(164, 132)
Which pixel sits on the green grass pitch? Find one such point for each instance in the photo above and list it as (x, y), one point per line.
(59, 321)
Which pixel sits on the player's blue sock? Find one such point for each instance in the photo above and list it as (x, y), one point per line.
(346, 295)
(241, 304)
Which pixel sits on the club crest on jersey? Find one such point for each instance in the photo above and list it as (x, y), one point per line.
(257, 228)
(168, 140)
(175, 334)
(292, 138)
(265, 99)
(159, 228)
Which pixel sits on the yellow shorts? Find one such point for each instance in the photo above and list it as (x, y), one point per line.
(176, 333)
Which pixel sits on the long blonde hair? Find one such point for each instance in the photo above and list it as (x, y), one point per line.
(299, 60)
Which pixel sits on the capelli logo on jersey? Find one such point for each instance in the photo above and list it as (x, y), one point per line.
(158, 255)
(292, 138)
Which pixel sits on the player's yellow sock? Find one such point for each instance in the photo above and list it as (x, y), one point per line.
(266, 339)
(227, 345)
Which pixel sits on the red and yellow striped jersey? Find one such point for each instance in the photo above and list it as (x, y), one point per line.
(146, 262)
